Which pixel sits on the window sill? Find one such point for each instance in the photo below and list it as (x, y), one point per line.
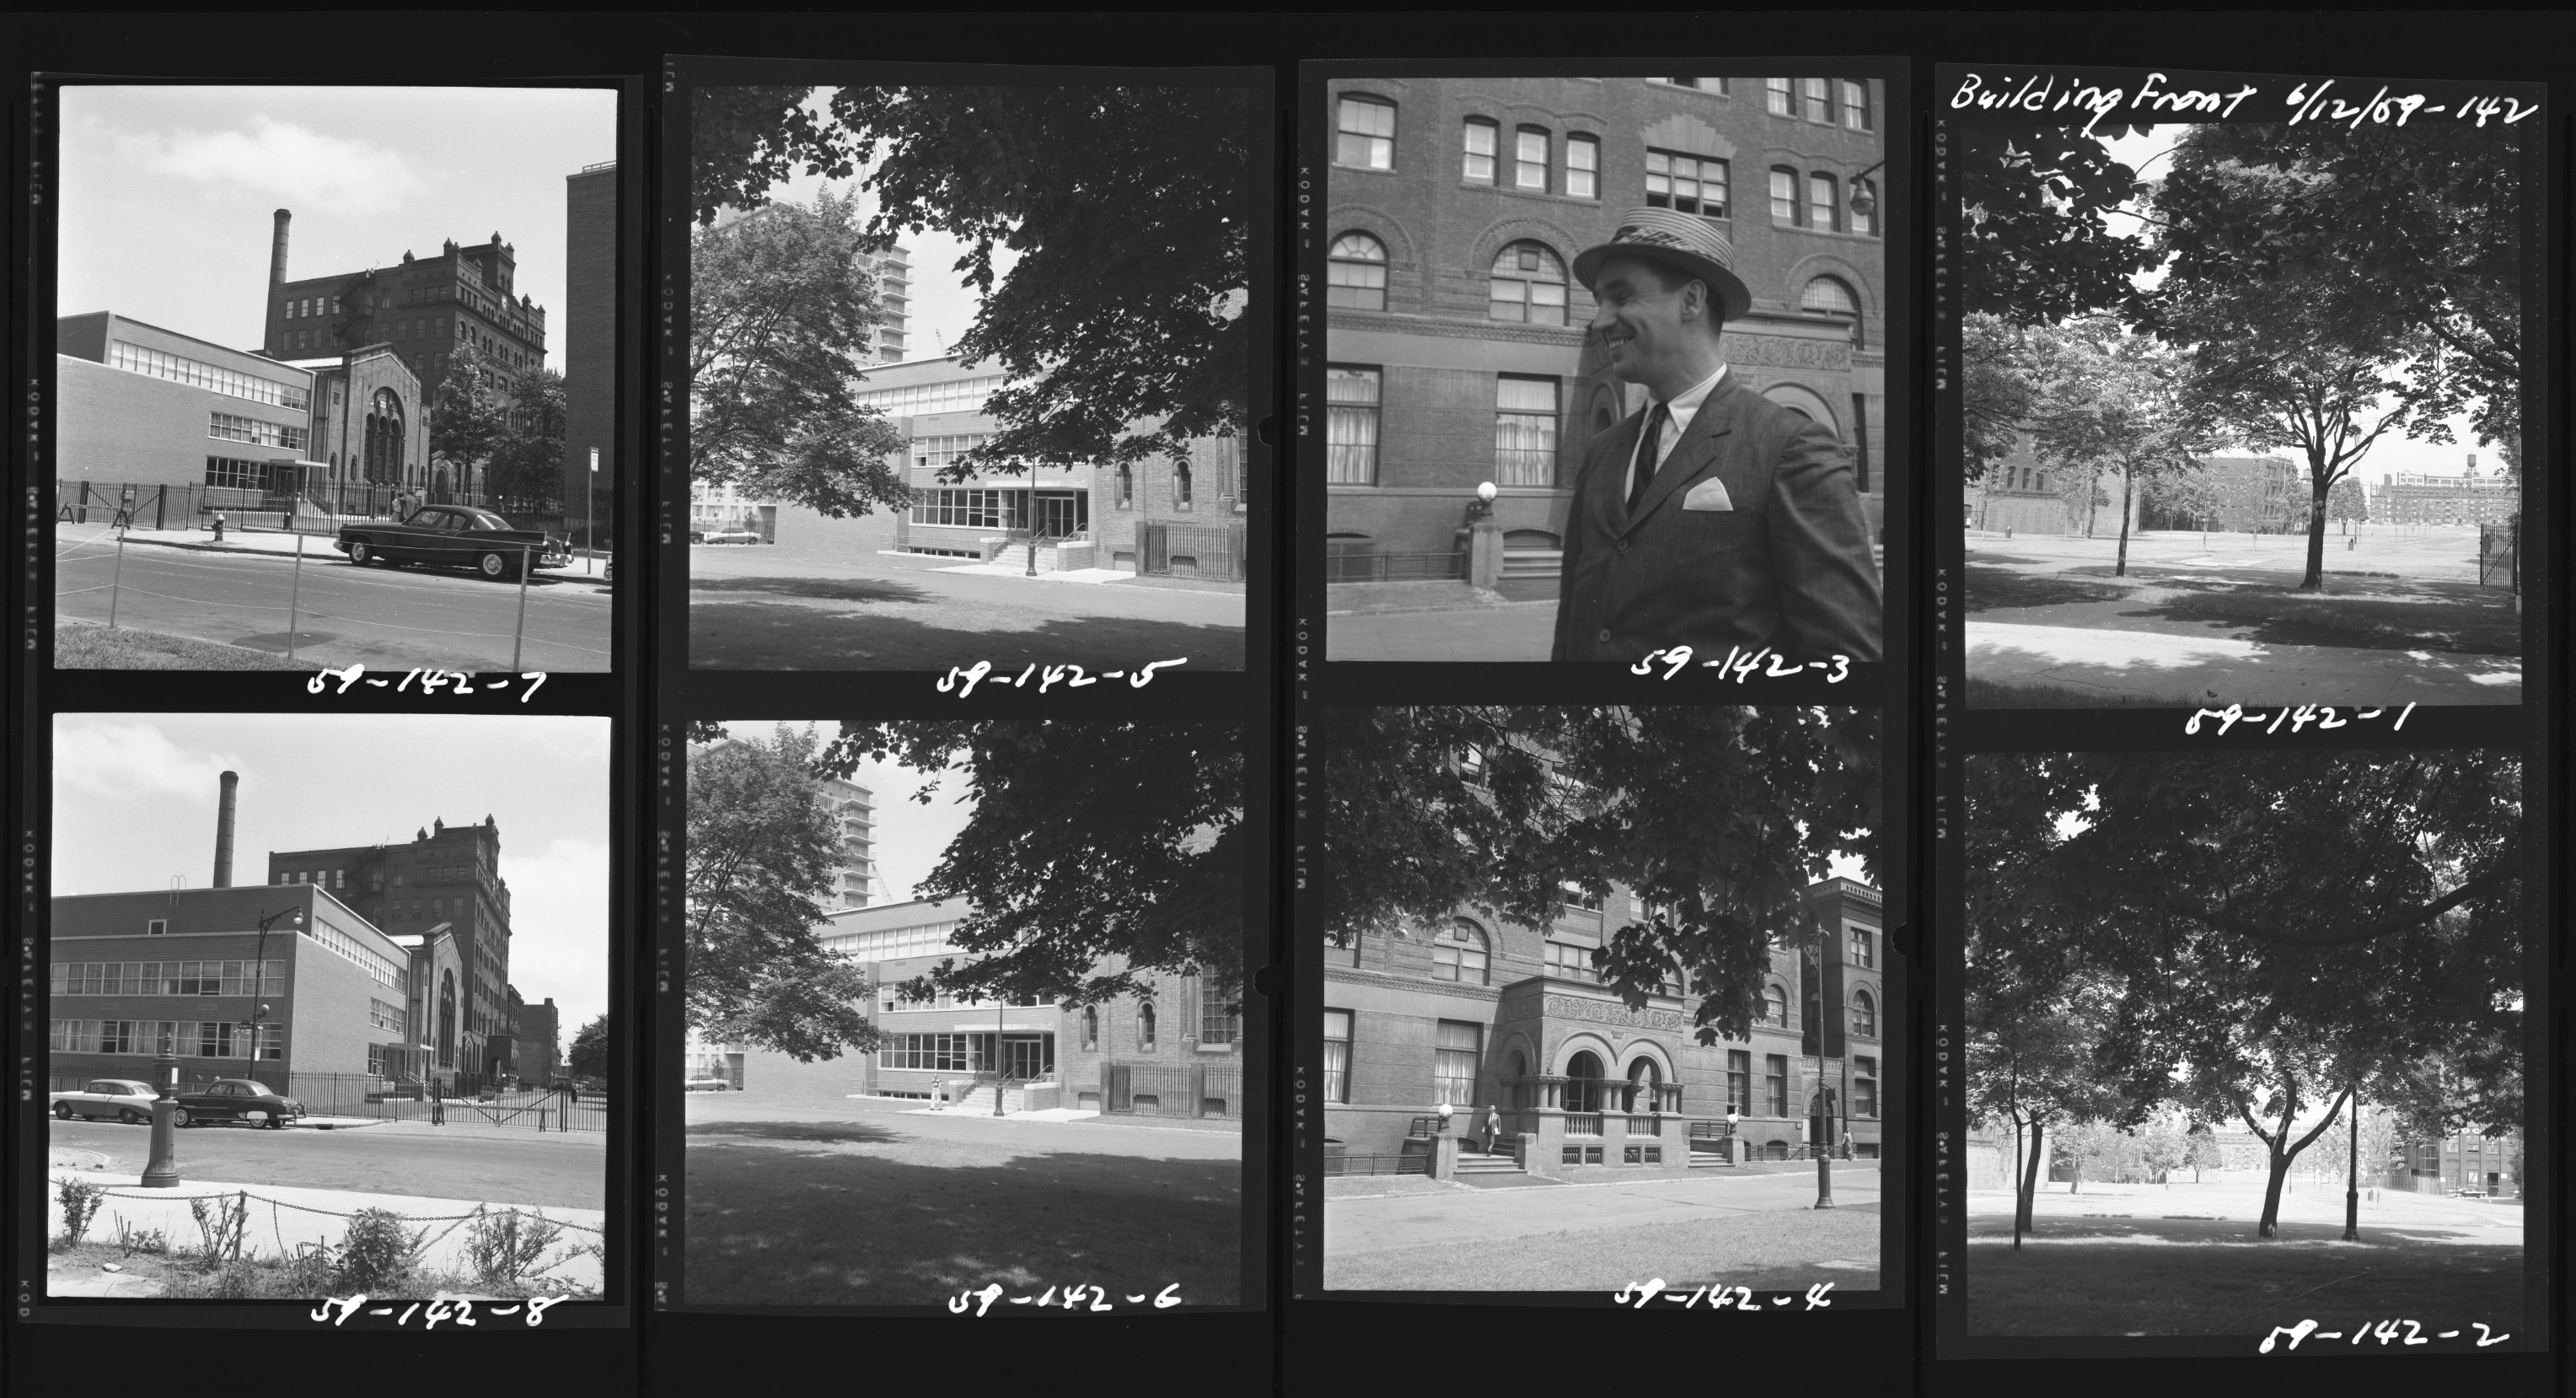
(1214, 1048)
(1549, 195)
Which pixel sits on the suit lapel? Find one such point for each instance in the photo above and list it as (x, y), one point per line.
(1693, 455)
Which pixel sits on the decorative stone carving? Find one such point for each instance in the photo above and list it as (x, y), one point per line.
(1603, 1012)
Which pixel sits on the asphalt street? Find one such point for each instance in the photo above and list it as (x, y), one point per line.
(1353, 1226)
(710, 1114)
(385, 618)
(505, 1165)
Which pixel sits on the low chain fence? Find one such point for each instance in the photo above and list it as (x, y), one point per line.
(384, 1099)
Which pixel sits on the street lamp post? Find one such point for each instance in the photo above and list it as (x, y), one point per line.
(1001, 1003)
(2352, 1180)
(1824, 1108)
(162, 1171)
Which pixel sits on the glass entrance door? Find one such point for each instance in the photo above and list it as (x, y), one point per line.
(1063, 515)
(1028, 1058)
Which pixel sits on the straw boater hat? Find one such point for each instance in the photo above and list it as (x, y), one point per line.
(1681, 241)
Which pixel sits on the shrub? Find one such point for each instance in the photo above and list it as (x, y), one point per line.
(376, 1254)
(500, 1248)
(80, 1199)
(144, 1240)
(220, 1223)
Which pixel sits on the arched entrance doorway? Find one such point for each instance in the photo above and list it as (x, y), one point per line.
(1583, 1086)
(384, 439)
(1645, 1086)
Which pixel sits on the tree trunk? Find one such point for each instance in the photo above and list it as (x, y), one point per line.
(2029, 1184)
(2128, 488)
(2315, 580)
(2270, 1227)
(2016, 1178)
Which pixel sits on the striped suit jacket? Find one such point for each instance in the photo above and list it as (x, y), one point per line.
(1788, 567)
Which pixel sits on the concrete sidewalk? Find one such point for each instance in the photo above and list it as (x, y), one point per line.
(1387, 1222)
(1504, 631)
(281, 1218)
(2212, 671)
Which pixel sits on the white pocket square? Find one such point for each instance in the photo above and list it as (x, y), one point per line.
(1708, 495)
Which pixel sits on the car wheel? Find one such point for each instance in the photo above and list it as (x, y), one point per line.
(132, 1117)
(276, 1122)
(360, 554)
(495, 565)
(178, 1116)
(63, 1111)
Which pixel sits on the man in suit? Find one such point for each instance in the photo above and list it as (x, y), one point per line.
(1713, 517)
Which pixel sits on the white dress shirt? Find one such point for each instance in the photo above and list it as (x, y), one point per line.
(1680, 411)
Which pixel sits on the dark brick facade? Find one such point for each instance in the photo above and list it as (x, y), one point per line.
(590, 340)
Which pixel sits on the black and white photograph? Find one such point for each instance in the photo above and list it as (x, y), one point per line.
(1607, 365)
(965, 1016)
(2245, 1040)
(973, 368)
(1608, 1001)
(334, 377)
(2242, 366)
(403, 1093)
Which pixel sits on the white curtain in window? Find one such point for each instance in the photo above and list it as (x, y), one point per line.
(1524, 431)
(1350, 427)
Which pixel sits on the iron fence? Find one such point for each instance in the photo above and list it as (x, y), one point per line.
(1198, 1089)
(465, 1098)
(2500, 555)
(1395, 567)
(1336, 1163)
(314, 509)
(1191, 550)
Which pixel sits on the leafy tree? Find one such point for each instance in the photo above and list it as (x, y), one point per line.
(2349, 503)
(1717, 819)
(2201, 1151)
(1129, 208)
(760, 857)
(2036, 244)
(526, 466)
(470, 417)
(1098, 853)
(2282, 929)
(2393, 228)
(589, 1056)
(782, 314)
(2162, 1148)
(2117, 406)
(2280, 359)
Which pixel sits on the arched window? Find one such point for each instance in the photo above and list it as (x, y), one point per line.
(1645, 1079)
(1528, 285)
(1864, 1014)
(1583, 1083)
(1355, 273)
(1516, 1067)
(1145, 1025)
(1832, 296)
(1673, 982)
(1775, 1005)
(1180, 485)
(447, 1019)
(1091, 1026)
(1126, 484)
(1482, 140)
(1458, 954)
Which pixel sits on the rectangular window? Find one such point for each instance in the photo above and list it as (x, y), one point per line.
(1366, 134)
(1483, 141)
(1784, 195)
(1775, 1083)
(159, 364)
(1525, 410)
(1529, 159)
(1776, 96)
(1337, 1055)
(1216, 1019)
(1351, 424)
(1454, 1063)
(1582, 167)
(1686, 183)
(1865, 1087)
(233, 473)
(1571, 962)
(1863, 953)
(1825, 211)
(1819, 95)
(1739, 1082)
(1855, 105)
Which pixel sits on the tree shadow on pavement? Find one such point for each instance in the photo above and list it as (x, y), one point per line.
(836, 1132)
(783, 1228)
(749, 635)
(824, 589)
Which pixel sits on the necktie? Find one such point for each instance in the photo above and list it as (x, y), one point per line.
(1647, 448)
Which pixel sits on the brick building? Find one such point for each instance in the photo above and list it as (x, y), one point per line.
(540, 1043)
(191, 966)
(444, 884)
(1456, 329)
(2417, 497)
(1480, 1012)
(590, 342)
(1174, 1052)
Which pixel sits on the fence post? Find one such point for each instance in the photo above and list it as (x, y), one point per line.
(519, 635)
(116, 586)
(161, 509)
(295, 599)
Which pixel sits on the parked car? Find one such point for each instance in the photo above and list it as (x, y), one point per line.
(129, 1100)
(724, 536)
(708, 1085)
(455, 536)
(235, 1099)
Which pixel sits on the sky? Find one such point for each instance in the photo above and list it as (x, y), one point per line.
(910, 837)
(135, 798)
(943, 306)
(167, 193)
(2148, 153)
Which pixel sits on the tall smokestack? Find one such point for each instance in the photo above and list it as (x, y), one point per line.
(277, 251)
(224, 820)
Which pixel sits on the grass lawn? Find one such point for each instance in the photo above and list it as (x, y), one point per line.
(86, 645)
(2209, 1278)
(1779, 1250)
(2365, 611)
(1998, 694)
(860, 1214)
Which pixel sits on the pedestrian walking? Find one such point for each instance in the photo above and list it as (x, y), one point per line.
(1493, 1126)
(437, 1104)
